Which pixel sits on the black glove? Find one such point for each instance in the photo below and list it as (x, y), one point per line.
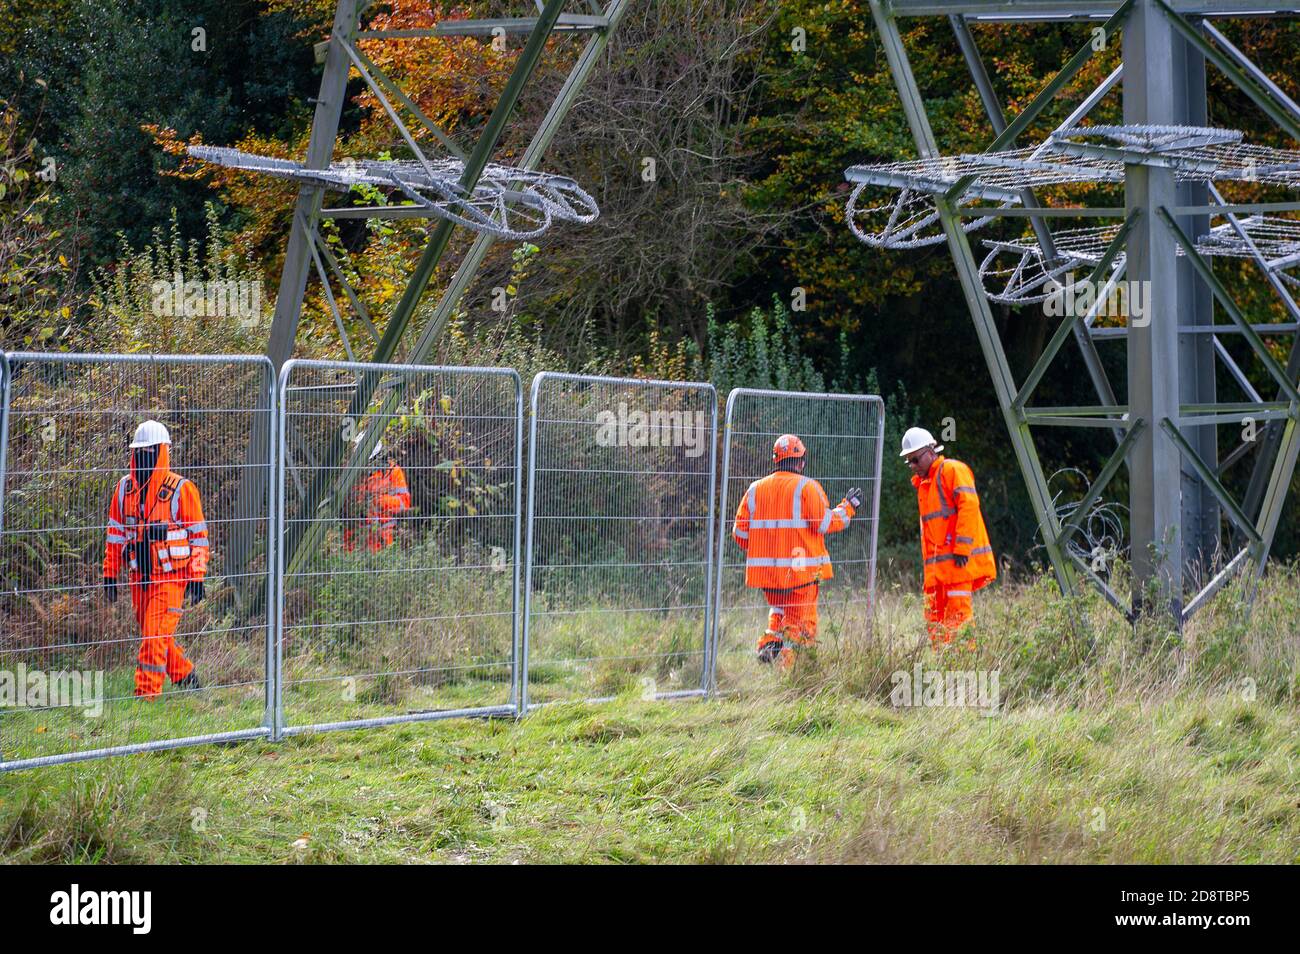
(194, 591)
(110, 589)
(854, 497)
(960, 560)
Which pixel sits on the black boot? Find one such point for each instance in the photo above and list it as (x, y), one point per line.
(770, 651)
(190, 682)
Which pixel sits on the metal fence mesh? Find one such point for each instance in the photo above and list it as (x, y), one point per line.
(620, 528)
(391, 569)
(844, 436)
(67, 656)
(398, 607)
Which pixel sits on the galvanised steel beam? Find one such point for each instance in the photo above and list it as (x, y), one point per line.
(997, 118)
(507, 26)
(1046, 212)
(1255, 82)
(1289, 444)
(1072, 324)
(297, 263)
(1225, 300)
(330, 487)
(1197, 364)
(1230, 506)
(968, 273)
(1221, 578)
(1031, 10)
(1046, 95)
(1248, 68)
(532, 156)
(1155, 511)
(451, 297)
(1269, 439)
(1243, 81)
(320, 151)
(1108, 471)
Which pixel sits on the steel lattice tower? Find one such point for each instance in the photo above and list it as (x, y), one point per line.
(1169, 164)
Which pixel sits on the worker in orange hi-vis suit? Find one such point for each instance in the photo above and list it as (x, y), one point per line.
(381, 497)
(781, 524)
(155, 519)
(955, 547)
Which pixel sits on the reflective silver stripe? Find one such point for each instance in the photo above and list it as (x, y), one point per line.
(826, 522)
(777, 611)
(959, 592)
(961, 539)
(200, 527)
(796, 506)
(952, 556)
(741, 534)
(199, 542)
(934, 515)
(788, 561)
(751, 498)
(175, 609)
(146, 668)
(121, 494)
(115, 538)
(176, 534)
(964, 490)
(776, 524)
(176, 500)
(116, 524)
(843, 515)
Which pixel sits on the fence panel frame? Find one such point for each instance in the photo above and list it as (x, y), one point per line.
(705, 688)
(4, 435)
(280, 727)
(725, 481)
(12, 359)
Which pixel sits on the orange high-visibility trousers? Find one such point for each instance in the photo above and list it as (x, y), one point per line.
(947, 611)
(158, 611)
(792, 620)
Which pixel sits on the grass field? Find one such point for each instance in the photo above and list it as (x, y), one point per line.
(1109, 747)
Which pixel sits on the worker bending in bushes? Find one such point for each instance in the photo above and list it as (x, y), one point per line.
(381, 497)
(781, 525)
(155, 519)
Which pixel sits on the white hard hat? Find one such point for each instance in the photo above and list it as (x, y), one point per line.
(917, 438)
(150, 433)
(379, 445)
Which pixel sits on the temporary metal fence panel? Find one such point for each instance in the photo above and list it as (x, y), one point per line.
(68, 657)
(618, 579)
(399, 589)
(844, 435)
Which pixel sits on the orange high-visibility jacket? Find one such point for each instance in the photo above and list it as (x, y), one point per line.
(177, 549)
(386, 495)
(781, 525)
(951, 526)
